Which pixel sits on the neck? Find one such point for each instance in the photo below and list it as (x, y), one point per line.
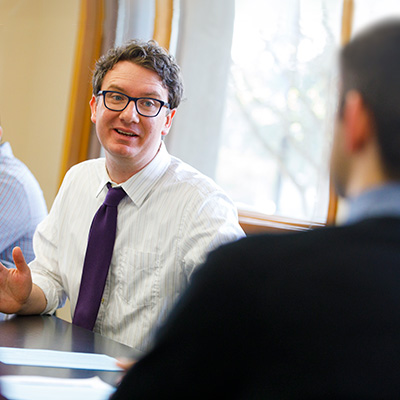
(120, 171)
(365, 176)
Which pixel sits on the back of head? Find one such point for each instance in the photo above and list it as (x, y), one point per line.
(148, 55)
(370, 64)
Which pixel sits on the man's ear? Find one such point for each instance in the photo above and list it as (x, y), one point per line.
(357, 122)
(93, 105)
(168, 122)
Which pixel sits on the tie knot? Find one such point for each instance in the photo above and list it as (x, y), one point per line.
(114, 196)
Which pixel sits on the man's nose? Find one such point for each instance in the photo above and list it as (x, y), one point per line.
(130, 114)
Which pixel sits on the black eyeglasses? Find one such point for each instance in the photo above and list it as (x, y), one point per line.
(145, 106)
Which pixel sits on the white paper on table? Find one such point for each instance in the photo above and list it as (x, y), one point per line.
(57, 359)
(23, 387)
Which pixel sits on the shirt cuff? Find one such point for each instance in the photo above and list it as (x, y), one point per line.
(50, 292)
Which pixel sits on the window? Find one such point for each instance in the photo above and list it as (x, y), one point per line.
(279, 109)
(261, 82)
(366, 11)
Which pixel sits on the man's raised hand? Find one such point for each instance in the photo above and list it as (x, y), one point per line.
(15, 284)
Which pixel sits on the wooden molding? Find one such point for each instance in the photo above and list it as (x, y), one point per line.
(347, 27)
(253, 223)
(163, 22)
(77, 134)
(347, 20)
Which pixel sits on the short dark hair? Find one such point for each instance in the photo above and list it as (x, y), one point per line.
(148, 55)
(370, 64)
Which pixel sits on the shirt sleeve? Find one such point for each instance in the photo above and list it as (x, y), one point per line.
(209, 221)
(45, 267)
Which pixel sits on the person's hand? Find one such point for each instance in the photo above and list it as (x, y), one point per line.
(125, 363)
(15, 284)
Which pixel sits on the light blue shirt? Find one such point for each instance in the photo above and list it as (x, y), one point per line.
(378, 202)
(22, 206)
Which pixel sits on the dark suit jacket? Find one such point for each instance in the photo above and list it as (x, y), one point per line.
(312, 315)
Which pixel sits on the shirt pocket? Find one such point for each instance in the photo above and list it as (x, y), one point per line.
(138, 277)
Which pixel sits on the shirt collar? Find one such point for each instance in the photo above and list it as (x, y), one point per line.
(139, 185)
(378, 202)
(5, 150)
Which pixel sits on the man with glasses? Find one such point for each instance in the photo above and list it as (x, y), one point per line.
(169, 216)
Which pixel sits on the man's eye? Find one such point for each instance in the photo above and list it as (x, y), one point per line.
(117, 97)
(147, 103)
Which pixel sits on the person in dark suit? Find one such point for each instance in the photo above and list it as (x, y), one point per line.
(304, 315)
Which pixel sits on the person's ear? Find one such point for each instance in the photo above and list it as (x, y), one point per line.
(93, 107)
(357, 122)
(1, 132)
(168, 122)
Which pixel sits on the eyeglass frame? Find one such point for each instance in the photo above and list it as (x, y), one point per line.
(134, 99)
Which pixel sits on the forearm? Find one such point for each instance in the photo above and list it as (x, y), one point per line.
(36, 302)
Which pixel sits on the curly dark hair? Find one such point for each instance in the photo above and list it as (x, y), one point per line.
(148, 55)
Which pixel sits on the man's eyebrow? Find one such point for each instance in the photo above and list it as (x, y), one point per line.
(154, 94)
(115, 87)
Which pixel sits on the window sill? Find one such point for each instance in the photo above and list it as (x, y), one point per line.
(253, 223)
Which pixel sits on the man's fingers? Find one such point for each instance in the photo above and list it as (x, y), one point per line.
(125, 363)
(19, 260)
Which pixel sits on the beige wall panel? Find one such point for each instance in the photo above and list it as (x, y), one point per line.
(37, 48)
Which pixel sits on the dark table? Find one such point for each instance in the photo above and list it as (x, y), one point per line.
(50, 332)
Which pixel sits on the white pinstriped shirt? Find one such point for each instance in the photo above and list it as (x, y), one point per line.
(170, 219)
(22, 206)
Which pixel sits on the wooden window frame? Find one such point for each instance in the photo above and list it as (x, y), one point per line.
(77, 134)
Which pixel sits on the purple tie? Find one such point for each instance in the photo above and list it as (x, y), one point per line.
(98, 258)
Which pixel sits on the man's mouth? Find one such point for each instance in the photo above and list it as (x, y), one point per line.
(130, 134)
